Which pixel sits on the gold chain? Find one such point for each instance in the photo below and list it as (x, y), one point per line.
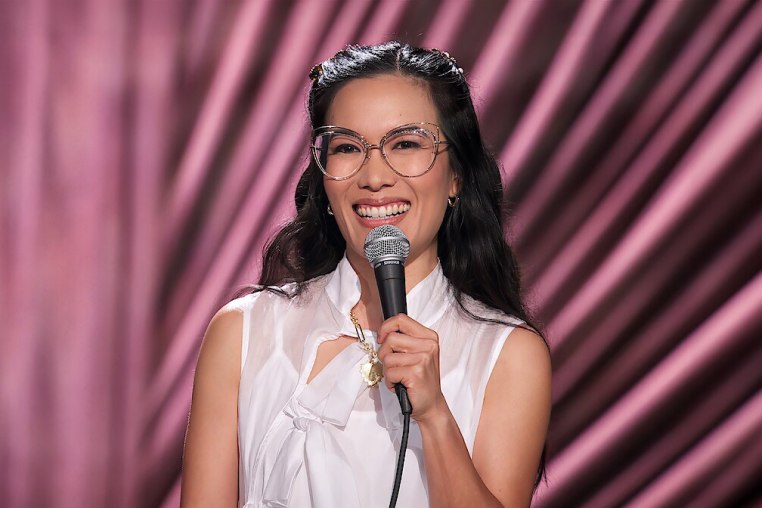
(372, 371)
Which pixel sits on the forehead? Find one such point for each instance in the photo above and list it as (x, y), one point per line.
(373, 106)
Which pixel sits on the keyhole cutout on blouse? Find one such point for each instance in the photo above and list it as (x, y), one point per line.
(326, 352)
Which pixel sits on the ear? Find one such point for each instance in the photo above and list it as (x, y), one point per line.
(454, 185)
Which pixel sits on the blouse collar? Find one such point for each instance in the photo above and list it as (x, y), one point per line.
(426, 302)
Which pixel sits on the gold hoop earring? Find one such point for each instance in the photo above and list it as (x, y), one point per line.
(330, 210)
(452, 201)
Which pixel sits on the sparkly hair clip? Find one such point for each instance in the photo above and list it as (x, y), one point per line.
(316, 72)
(450, 59)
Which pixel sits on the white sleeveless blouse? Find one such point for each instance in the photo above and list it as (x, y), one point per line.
(333, 442)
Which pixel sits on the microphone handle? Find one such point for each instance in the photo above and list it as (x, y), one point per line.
(390, 278)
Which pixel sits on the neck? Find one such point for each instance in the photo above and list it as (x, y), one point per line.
(368, 309)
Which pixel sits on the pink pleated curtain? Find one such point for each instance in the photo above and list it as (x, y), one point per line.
(150, 148)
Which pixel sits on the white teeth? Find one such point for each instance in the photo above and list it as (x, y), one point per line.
(381, 212)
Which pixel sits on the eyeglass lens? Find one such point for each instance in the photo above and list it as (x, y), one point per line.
(410, 152)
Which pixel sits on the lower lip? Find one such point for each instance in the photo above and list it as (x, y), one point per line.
(373, 222)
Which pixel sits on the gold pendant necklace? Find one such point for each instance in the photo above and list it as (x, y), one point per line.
(373, 370)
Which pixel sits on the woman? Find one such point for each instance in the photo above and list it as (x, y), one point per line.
(282, 414)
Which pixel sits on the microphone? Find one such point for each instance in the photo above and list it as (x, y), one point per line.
(387, 249)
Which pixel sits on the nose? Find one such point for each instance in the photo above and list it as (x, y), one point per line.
(375, 173)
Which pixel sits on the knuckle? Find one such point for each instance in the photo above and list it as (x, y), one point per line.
(429, 348)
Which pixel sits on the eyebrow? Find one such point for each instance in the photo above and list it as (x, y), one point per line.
(400, 126)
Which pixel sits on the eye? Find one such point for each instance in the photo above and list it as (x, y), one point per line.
(339, 144)
(406, 144)
(344, 148)
(410, 141)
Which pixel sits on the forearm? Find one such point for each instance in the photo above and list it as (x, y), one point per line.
(452, 478)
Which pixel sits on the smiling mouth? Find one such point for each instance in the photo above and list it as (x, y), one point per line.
(382, 212)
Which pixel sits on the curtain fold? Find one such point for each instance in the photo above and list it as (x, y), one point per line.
(149, 150)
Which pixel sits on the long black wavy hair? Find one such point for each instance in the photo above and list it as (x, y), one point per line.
(475, 257)
(472, 249)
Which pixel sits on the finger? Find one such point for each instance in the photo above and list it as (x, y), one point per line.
(395, 375)
(405, 325)
(396, 359)
(409, 375)
(392, 378)
(398, 343)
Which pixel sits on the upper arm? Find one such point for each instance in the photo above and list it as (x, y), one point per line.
(514, 420)
(210, 460)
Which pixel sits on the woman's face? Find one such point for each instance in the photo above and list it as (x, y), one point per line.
(372, 107)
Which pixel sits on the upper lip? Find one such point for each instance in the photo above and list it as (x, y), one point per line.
(379, 202)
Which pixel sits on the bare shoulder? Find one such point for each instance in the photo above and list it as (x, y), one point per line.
(221, 346)
(227, 319)
(526, 353)
(218, 367)
(520, 380)
(514, 420)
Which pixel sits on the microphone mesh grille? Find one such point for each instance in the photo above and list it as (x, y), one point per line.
(386, 242)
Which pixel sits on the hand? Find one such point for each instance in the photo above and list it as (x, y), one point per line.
(410, 354)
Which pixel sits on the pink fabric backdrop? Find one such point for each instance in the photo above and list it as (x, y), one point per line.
(149, 148)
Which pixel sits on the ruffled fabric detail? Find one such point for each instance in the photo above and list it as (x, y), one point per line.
(320, 409)
(311, 442)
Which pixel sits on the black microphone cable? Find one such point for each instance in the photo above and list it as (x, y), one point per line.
(406, 408)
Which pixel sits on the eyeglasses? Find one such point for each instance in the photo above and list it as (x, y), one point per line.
(409, 150)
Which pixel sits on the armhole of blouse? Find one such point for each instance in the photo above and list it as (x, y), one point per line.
(479, 399)
(245, 334)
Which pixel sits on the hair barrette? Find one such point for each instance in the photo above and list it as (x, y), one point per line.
(316, 72)
(451, 59)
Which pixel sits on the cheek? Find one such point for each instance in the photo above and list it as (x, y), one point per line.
(432, 195)
(436, 191)
(334, 191)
